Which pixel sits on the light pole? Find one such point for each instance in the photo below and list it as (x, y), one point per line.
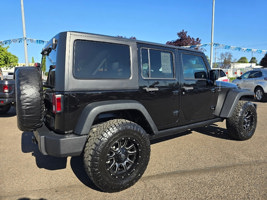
(24, 33)
(212, 33)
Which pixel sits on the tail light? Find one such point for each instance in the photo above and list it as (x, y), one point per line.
(225, 80)
(57, 103)
(5, 89)
(37, 65)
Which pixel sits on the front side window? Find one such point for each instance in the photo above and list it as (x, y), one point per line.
(100, 60)
(157, 63)
(194, 67)
(245, 75)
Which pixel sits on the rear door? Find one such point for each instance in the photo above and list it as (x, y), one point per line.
(253, 79)
(248, 80)
(199, 96)
(159, 88)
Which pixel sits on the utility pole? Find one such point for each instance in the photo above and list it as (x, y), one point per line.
(24, 33)
(212, 33)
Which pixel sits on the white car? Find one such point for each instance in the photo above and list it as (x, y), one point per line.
(220, 75)
(255, 81)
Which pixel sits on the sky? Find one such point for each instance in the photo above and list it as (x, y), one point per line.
(239, 23)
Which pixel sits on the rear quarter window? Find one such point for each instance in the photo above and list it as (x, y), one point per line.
(101, 60)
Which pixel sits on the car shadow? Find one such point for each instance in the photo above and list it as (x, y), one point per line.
(154, 141)
(42, 161)
(10, 113)
(54, 163)
(214, 131)
(77, 167)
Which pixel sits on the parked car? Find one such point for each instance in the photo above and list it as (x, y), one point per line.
(1, 75)
(255, 81)
(7, 95)
(105, 98)
(219, 75)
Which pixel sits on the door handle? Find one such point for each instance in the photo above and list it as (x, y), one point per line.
(151, 89)
(185, 88)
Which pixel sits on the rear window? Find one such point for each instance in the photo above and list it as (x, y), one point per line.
(222, 73)
(219, 72)
(100, 60)
(49, 64)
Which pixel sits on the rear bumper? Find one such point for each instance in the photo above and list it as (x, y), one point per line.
(4, 102)
(57, 145)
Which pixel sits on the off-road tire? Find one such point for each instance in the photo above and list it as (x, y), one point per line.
(4, 109)
(116, 154)
(29, 98)
(242, 124)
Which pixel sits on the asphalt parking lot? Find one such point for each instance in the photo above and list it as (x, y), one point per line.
(200, 164)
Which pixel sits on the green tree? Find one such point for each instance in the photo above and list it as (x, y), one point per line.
(243, 60)
(43, 65)
(33, 60)
(264, 61)
(253, 60)
(7, 59)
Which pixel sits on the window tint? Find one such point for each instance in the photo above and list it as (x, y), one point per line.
(194, 67)
(222, 73)
(246, 75)
(49, 62)
(255, 74)
(99, 60)
(145, 64)
(157, 64)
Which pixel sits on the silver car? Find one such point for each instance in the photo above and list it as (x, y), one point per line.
(255, 81)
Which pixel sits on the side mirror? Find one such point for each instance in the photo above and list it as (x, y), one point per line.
(213, 76)
(201, 75)
(239, 77)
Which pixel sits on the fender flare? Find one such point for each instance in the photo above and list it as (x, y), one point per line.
(91, 111)
(226, 108)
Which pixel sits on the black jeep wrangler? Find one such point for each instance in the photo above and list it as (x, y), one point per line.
(106, 97)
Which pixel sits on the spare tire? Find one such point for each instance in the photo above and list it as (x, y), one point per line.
(29, 98)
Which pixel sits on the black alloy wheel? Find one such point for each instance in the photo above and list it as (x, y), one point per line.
(123, 157)
(248, 121)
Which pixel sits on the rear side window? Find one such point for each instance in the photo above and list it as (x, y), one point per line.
(255, 74)
(194, 67)
(100, 60)
(157, 63)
